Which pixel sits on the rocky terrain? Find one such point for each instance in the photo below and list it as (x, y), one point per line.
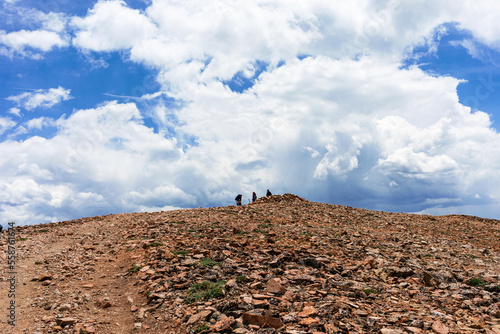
(279, 265)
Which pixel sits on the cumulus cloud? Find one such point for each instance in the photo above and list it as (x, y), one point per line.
(41, 98)
(333, 116)
(110, 26)
(101, 159)
(20, 42)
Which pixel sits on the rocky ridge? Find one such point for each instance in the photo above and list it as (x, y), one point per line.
(279, 265)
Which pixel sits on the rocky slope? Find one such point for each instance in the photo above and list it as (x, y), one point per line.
(279, 265)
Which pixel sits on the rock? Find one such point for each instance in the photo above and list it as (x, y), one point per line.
(494, 310)
(289, 296)
(274, 286)
(45, 277)
(262, 321)
(103, 303)
(65, 321)
(198, 317)
(390, 331)
(309, 321)
(231, 284)
(224, 324)
(64, 307)
(331, 329)
(439, 327)
(308, 311)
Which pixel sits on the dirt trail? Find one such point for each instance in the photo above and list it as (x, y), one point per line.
(83, 281)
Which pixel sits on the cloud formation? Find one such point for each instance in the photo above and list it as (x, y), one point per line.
(328, 111)
(41, 98)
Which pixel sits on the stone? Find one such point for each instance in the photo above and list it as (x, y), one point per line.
(224, 324)
(494, 310)
(274, 286)
(390, 331)
(262, 320)
(103, 303)
(439, 327)
(309, 321)
(45, 277)
(289, 296)
(308, 311)
(65, 321)
(198, 317)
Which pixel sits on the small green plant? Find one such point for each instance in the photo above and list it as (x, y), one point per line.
(199, 328)
(241, 278)
(206, 262)
(472, 256)
(306, 233)
(264, 225)
(476, 282)
(21, 239)
(155, 244)
(192, 231)
(261, 231)
(43, 231)
(206, 290)
(134, 269)
(130, 249)
(180, 252)
(370, 291)
(200, 236)
(181, 222)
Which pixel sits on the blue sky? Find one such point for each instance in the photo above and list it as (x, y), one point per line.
(122, 106)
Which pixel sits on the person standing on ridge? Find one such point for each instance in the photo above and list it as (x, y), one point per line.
(268, 193)
(254, 197)
(238, 199)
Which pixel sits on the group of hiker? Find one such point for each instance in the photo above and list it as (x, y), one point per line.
(254, 197)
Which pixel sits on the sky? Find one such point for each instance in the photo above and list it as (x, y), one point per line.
(147, 105)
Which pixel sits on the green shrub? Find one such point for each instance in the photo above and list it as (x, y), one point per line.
(208, 263)
(476, 282)
(134, 269)
(206, 290)
(181, 252)
(370, 291)
(241, 278)
(199, 328)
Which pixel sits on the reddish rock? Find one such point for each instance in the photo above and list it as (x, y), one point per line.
(198, 317)
(262, 320)
(308, 311)
(439, 327)
(274, 286)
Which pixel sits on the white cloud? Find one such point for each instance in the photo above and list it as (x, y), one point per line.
(41, 98)
(101, 159)
(110, 26)
(6, 124)
(15, 111)
(19, 42)
(362, 132)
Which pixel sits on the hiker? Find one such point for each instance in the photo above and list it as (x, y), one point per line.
(268, 193)
(238, 199)
(254, 197)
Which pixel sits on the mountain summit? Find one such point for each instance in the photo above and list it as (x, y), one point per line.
(279, 265)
